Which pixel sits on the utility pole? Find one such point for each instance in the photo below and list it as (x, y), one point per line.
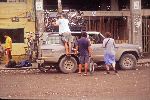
(39, 17)
(39, 21)
(136, 22)
(59, 6)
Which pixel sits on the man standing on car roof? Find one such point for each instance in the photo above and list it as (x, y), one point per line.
(64, 31)
(84, 48)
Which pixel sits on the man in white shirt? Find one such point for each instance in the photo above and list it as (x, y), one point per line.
(64, 31)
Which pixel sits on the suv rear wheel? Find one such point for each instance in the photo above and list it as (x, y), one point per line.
(128, 61)
(68, 64)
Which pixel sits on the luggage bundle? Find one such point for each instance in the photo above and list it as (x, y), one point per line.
(24, 63)
(12, 64)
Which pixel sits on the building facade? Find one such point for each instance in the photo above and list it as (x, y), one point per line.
(127, 20)
(17, 18)
(128, 25)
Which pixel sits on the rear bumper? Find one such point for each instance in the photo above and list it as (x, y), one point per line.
(47, 60)
(40, 61)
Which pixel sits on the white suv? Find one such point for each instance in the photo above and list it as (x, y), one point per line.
(52, 53)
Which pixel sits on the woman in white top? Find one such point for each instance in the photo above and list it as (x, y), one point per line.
(109, 52)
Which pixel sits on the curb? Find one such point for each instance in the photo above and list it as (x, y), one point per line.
(28, 68)
(143, 61)
(23, 68)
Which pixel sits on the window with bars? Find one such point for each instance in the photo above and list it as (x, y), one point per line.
(12, 0)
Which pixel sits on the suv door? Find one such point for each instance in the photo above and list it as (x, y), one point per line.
(96, 44)
(98, 52)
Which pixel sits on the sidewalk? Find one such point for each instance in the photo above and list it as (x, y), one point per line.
(35, 66)
(143, 60)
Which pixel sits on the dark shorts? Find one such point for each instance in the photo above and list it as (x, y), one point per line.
(84, 59)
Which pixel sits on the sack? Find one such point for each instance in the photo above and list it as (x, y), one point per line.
(24, 63)
(91, 65)
(11, 64)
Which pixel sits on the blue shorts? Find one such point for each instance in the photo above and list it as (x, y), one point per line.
(84, 59)
(109, 59)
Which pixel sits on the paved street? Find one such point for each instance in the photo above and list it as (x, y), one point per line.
(32, 84)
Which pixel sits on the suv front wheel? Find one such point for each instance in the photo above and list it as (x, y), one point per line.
(128, 61)
(68, 64)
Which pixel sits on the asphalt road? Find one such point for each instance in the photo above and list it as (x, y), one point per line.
(32, 84)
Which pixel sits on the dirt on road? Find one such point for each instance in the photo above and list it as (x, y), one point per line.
(32, 84)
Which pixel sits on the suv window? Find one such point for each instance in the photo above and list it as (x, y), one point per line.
(53, 40)
(96, 38)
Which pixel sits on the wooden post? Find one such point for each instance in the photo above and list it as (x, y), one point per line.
(129, 29)
(89, 24)
(114, 5)
(100, 25)
(59, 6)
(136, 18)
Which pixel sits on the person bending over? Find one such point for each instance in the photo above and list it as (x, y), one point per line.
(109, 52)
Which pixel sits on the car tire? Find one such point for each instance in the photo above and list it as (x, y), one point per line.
(68, 65)
(43, 68)
(128, 61)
